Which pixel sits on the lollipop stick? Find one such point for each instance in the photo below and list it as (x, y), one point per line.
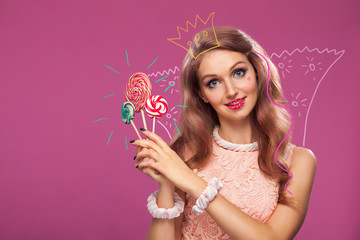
(133, 124)
(153, 124)
(143, 117)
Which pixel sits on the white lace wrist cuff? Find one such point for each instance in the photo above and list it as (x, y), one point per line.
(163, 213)
(207, 196)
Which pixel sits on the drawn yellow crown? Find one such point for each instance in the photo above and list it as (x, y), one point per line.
(183, 40)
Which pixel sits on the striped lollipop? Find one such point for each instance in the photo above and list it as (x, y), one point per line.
(138, 91)
(156, 107)
(127, 115)
(127, 112)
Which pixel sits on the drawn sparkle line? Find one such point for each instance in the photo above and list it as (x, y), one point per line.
(152, 63)
(109, 137)
(127, 58)
(177, 128)
(109, 95)
(112, 69)
(169, 86)
(181, 106)
(126, 143)
(173, 71)
(99, 119)
(162, 78)
(164, 128)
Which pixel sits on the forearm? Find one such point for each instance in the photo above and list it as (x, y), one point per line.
(163, 228)
(237, 224)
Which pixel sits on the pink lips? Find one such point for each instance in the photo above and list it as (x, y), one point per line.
(237, 106)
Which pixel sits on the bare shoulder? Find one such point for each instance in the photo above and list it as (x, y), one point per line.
(303, 157)
(303, 167)
(286, 221)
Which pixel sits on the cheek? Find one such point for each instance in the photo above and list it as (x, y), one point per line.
(214, 96)
(216, 99)
(251, 81)
(251, 85)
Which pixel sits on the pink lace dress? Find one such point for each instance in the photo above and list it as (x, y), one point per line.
(244, 185)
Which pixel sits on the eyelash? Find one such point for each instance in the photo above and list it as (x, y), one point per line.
(243, 70)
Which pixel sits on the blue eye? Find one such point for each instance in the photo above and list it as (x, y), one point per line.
(212, 83)
(240, 72)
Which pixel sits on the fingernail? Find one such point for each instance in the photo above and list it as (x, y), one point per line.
(135, 157)
(142, 129)
(137, 166)
(132, 141)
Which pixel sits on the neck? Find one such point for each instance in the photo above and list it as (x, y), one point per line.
(239, 132)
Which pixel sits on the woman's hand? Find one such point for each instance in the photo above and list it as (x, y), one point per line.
(157, 155)
(154, 174)
(151, 172)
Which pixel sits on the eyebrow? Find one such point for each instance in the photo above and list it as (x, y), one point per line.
(213, 75)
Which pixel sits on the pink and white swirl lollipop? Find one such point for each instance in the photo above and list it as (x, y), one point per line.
(138, 91)
(156, 107)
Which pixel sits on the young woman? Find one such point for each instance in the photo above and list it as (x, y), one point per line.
(220, 179)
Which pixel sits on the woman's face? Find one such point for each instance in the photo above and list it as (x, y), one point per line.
(228, 83)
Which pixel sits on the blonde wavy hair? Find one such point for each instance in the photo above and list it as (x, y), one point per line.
(269, 123)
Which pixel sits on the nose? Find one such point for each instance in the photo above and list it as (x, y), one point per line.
(231, 90)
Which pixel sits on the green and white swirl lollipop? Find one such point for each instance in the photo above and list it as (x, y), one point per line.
(127, 112)
(127, 115)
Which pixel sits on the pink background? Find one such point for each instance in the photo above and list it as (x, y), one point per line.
(66, 171)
